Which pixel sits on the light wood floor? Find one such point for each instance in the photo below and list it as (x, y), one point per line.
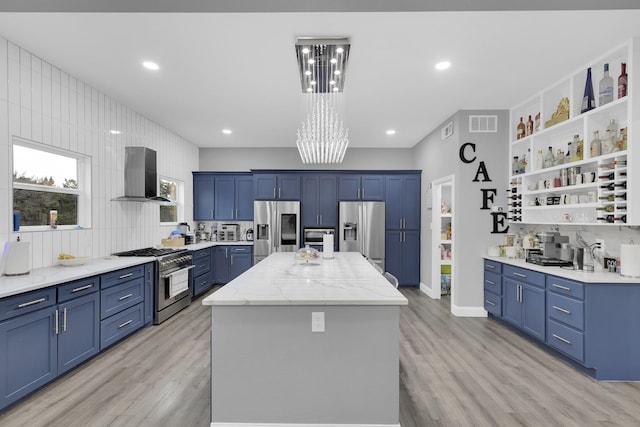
(453, 372)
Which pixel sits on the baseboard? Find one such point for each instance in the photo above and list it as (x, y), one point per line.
(460, 311)
(214, 424)
(428, 291)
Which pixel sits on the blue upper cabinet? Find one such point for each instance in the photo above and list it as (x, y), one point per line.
(244, 198)
(402, 202)
(361, 187)
(233, 197)
(268, 186)
(319, 201)
(203, 197)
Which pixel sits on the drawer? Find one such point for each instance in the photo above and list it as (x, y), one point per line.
(117, 298)
(201, 253)
(493, 303)
(240, 249)
(565, 287)
(78, 288)
(565, 310)
(524, 275)
(122, 324)
(202, 265)
(202, 283)
(493, 283)
(17, 305)
(494, 266)
(120, 276)
(565, 339)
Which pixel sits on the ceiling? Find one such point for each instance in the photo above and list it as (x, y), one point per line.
(234, 68)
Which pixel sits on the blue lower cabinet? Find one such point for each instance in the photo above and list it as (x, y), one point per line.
(231, 261)
(524, 307)
(221, 264)
(202, 283)
(493, 303)
(117, 298)
(402, 256)
(566, 339)
(118, 326)
(79, 332)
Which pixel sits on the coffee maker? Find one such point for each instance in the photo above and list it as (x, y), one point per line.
(550, 249)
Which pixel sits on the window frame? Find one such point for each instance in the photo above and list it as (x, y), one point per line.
(178, 203)
(83, 175)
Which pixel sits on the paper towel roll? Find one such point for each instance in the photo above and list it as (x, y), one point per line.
(327, 246)
(16, 258)
(630, 260)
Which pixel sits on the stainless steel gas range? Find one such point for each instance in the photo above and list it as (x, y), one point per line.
(172, 284)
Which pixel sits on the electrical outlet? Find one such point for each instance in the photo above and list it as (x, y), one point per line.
(602, 248)
(317, 321)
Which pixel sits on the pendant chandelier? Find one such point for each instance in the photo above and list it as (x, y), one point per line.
(322, 137)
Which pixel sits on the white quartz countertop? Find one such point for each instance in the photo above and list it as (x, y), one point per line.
(347, 279)
(580, 276)
(50, 276)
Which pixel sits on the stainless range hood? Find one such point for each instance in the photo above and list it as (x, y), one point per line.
(140, 176)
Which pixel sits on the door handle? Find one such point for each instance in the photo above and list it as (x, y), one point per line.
(279, 192)
(274, 192)
(358, 192)
(320, 219)
(56, 322)
(27, 304)
(64, 320)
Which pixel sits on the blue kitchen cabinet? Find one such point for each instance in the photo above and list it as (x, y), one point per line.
(233, 198)
(402, 256)
(524, 300)
(221, 264)
(79, 332)
(493, 287)
(240, 260)
(202, 275)
(244, 197)
(149, 278)
(319, 201)
(361, 187)
(402, 202)
(269, 186)
(203, 197)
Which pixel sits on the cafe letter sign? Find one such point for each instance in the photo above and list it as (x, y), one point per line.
(488, 194)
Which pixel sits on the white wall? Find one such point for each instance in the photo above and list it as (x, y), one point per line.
(42, 103)
(244, 159)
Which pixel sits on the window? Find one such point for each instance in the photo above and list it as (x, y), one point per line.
(172, 190)
(47, 180)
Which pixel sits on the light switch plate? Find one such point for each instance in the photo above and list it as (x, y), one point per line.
(317, 321)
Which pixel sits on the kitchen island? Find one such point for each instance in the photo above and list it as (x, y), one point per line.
(298, 343)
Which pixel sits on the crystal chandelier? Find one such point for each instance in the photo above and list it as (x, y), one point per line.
(322, 137)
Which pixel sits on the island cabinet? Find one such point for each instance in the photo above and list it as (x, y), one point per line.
(276, 186)
(202, 275)
(319, 201)
(524, 300)
(230, 261)
(360, 187)
(203, 196)
(233, 195)
(121, 304)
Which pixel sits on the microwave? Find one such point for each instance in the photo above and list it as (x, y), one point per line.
(313, 236)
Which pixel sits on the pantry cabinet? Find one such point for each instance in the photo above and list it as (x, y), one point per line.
(319, 201)
(402, 256)
(361, 187)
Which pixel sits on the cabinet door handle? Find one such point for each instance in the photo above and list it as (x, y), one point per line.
(279, 192)
(404, 223)
(122, 325)
(124, 297)
(519, 293)
(57, 319)
(274, 192)
(362, 193)
(236, 213)
(564, 340)
(124, 276)
(358, 193)
(515, 273)
(82, 288)
(35, 301)
(240, 249)
(560, 309)
(211, 213)
(489, 302)
(489, 282)
(492, 267)
(564, 288)
(231, 259)
(320, 219)
(400, 222)
(64, 320)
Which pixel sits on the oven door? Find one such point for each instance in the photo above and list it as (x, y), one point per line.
(173, 286)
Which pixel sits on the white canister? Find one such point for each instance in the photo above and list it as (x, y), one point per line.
(16, 258)
(327, 246)
(630, 260)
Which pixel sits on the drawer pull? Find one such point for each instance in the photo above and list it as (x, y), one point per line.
(124, 276)
(64, 320)
(124, 297)
(122, 325)
(564, 288)
(564, 340)
(515, 273)
(240, 250)
(82, 288)
(489, 266)
(489, 282)
(35, 301)
(56, 328)
(489, 302)
(560, 309)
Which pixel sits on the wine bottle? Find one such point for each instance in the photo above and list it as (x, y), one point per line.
(588, 100)
(613, 197)
(608, 208)
(608, 176)
(613, 186)
(606, 87)
(612, 218)
(613, 164)
(622, 82)
(521, 130)
(529, 126)
(596, 146)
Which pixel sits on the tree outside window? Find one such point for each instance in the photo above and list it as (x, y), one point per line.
(169, 189)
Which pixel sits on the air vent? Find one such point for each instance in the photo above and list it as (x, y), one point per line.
(482, 124)
(447, 131)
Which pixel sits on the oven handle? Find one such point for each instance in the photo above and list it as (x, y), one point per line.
(166, 276)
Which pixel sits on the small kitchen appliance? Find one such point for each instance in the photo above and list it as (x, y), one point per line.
(550, 253)
(249, 235)
(228, 232)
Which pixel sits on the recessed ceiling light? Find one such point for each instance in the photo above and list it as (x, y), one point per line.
(335, 89)
(114, 132)
(305, 50)
(226, 131)
(443, 65)
(313, 82)
(311, 61)
(333, 60)
(309, 89)
(307, 73)
(391, 132)
(332, 82)
(339, 50)
(149, 65)
(336, 72)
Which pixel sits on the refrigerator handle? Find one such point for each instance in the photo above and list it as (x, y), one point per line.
(276, 231)
(361, 229)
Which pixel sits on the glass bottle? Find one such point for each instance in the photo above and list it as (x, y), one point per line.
(588, 100)
(536, 125)
(611, 134)
(515, 166)
(578, 147)
(529, 126)
(525, 161)
(549, 158)
(521, 130)
(623, 138)
(559, 157)
(567, 157)
(596, 147)
(606, 87)
(622, 82)
(539, 160)
(608, 208)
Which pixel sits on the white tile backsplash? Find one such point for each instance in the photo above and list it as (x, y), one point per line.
(49, 106)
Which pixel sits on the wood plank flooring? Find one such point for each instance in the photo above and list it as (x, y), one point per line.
(453, 372)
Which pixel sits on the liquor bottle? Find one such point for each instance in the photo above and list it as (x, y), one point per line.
(539, 160)
(578, 147)
(515, 166)
(529, 126)
(548, 158)
(609, 143)
(623, 138)
(588, 100)
(521, 130)
(596, 146)
(622, 82)
(525, 162)
(567, 157)
(559, 157)
(606, 87)
(536, 125)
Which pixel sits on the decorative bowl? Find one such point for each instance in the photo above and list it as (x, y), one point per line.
(81, 260)
(307, 254)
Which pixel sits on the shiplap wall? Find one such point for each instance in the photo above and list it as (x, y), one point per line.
(42, 103)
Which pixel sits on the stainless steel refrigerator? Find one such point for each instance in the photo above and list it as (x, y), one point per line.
(362, 229)
(276, 227)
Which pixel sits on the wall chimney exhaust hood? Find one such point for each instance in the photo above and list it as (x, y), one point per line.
(140, 176)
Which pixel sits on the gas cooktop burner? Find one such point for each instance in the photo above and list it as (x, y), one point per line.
(150, 252)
